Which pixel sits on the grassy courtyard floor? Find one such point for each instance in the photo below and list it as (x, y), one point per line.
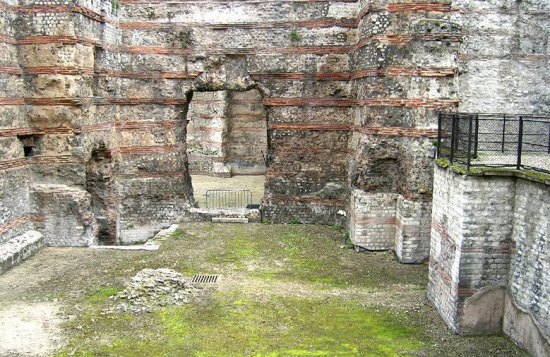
(285, 290)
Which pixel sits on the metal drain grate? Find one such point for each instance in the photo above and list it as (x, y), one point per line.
(205, 279)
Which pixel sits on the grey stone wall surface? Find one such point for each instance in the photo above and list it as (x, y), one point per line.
(487, 247)
(503, 60)
(529, 278)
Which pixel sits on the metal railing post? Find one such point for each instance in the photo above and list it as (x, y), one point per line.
(520, 143)
(503, 131)
(476, 136)
(470, 125)
(453, 138)
(439, 135)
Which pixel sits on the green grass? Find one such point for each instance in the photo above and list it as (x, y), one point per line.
(102, 293)
(231, 325)
(287, 290)
(178, 234)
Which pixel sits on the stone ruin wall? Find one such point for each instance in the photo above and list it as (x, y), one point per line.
(489, 267)
(350, 90)
(489, 234)
(95, 102)
(403, 70)
(470, 55)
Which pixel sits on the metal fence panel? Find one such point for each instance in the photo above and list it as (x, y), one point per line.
(495, 140)
(228, 198)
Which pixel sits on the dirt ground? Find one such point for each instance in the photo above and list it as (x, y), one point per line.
(284, 290)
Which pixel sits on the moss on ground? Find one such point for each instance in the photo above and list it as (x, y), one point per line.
(286, 290)
(232, 325)
(101, 293)
(311, 254)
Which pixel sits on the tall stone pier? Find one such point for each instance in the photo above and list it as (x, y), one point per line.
(489, 266)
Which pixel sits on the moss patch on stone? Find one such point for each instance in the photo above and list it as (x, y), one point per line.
(458, 168)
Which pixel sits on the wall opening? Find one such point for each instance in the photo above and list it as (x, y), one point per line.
(29, 142)
(227, 142)
(100, 185)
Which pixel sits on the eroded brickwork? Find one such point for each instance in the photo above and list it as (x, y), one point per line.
(403, 69)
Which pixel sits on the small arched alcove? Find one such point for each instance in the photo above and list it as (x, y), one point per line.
(100, 184)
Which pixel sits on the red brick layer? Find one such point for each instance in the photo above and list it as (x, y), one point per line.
(420, 6)
(317, 23)
(20, 221)
(274, 102)
(369, 102)
(257, 76)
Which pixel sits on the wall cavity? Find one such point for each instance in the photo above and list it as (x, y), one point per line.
(100, 184)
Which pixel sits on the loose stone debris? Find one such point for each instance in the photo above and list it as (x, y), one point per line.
(152, 289)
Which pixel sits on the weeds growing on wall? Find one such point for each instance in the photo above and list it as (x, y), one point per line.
(184, 38)
(115, 6)
(295, 36)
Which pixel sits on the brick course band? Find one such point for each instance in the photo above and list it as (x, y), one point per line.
(21, 221)
(298, 76)
(166, 124)
(274, 102)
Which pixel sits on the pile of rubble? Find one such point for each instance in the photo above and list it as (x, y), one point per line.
(151, 289)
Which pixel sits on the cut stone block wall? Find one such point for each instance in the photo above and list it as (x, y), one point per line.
(246, 133)
(206, 131)
(488, 255)
(412, 233)
(19, 248)
(528, 308)
(382, 221)
(372, 220)
(69, 218)
(504, 59)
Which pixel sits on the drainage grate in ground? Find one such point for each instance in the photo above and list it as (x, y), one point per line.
(209, 279)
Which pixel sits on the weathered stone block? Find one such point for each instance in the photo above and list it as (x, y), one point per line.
(19, 248)
(69, 219)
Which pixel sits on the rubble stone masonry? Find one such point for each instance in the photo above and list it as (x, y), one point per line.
(107, 105)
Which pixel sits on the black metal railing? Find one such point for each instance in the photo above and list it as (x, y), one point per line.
(228, 199)
(495, 140)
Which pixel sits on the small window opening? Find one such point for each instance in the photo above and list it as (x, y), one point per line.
(27, 150)
(29, 142)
